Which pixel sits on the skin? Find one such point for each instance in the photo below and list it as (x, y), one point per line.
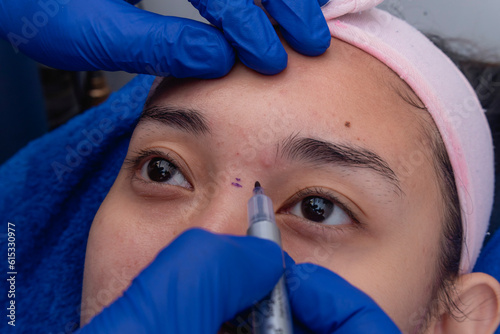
(344, 96)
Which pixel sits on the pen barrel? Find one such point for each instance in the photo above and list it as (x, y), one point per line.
(272, 314)
(265, 229)
(260, 208)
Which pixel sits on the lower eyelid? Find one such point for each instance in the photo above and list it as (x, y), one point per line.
(149, 189)
(314, 231)
(350, 222)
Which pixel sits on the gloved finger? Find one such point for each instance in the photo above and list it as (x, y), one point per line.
(247, 28)
(289, 261)
(302, 24)
(324, 302)
(123, 37)
(161, 45)
(298, 327)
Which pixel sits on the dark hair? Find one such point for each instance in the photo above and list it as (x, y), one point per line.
(485, 79)
(448, 264)
(450, 248)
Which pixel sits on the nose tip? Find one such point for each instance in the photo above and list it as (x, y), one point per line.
(225, 213)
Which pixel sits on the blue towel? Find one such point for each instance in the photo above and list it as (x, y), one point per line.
(50, 192)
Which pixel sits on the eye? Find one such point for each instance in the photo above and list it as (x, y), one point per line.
(161, 170)
(320, 210)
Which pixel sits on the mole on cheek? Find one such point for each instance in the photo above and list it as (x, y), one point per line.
(347, 124)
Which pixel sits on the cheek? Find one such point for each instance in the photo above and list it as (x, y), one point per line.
(118, 248)
(400, 277)
(396, 269)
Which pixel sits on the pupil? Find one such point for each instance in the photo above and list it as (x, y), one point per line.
(160, 170)
(316, 209)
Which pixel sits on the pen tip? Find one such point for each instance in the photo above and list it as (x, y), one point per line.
(257, 184)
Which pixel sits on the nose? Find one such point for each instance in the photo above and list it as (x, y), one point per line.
(225, 211)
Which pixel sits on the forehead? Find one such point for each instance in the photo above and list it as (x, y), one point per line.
(342, 65)
(344, 95)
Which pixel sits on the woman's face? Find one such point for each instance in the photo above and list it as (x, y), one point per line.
(331, 131)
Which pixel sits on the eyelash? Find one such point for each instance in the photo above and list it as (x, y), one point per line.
(140, 157)
(321, 192)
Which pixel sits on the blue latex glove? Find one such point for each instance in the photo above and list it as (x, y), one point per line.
(202, 280)
(115, 35)
(323, 302)
(194, 285)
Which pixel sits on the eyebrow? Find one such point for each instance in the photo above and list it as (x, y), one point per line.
(293, 148)
(316, 151)
(188, 120)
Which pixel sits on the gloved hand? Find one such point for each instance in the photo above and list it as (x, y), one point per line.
(114, 35)
(194, 285)
(203, 279)
(323, 302)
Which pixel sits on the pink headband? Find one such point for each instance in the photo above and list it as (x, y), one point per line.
(446, 93)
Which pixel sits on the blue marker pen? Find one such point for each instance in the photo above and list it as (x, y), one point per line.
(272, 314)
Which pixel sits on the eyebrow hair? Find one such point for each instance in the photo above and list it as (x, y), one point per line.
(324, 153)
(188, 120)
(296, 148)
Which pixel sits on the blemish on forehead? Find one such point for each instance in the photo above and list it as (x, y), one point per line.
(347, 124)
